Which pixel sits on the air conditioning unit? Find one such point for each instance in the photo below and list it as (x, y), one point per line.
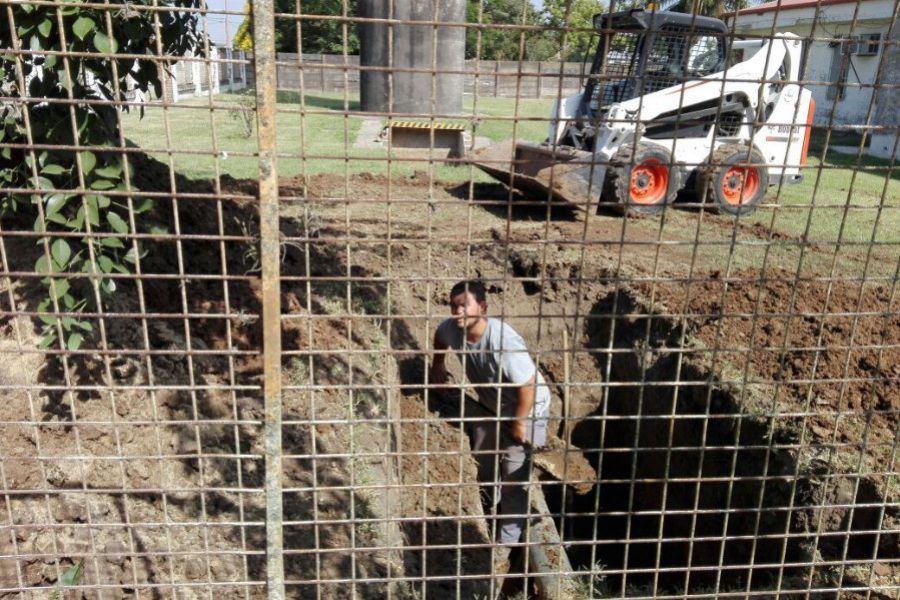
(866, 44)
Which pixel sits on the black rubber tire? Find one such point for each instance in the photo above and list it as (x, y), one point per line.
(711, 180)
(617, 192)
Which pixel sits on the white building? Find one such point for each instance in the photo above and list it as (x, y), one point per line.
(845, 56)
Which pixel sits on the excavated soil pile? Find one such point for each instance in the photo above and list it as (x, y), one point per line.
(826, 353)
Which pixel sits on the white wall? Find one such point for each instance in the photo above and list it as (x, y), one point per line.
(872, 16)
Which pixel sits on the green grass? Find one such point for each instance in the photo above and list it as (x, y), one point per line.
(324, 143)
(841, 200)
(832, 195)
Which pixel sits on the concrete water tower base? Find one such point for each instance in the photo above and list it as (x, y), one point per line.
(433, 140)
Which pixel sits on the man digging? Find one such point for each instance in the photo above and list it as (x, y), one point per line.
(495, 359)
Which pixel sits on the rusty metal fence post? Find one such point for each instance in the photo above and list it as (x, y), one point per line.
(265, 69)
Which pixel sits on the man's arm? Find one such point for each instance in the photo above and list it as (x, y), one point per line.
(517, 429)
(437, 375)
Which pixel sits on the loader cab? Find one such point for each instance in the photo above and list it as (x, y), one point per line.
(640, 52)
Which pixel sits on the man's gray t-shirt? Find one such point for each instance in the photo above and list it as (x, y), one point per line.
(499, 356)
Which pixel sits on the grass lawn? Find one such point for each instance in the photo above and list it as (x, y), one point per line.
(833, 203)
(321, 142)
(844, 184)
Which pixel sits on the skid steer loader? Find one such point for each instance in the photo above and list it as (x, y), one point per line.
(672, 102)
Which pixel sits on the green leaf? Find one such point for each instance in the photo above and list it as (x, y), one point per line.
(74, 343)
(45, 184)
(110, 171)
(49, 338)
(58, 219)
(111, 242)
(51, 321)
(42, 265)
(45, 27)
(93, 212)
(104, 44)
(83, 26)
(88, 162)
(132, 258)
(105, 262)
(157, 230)
(116, 222)
(73, 574)
(53, 170)
(55, 203)
(61, 252)
(63, 77)
(78, 222)
(145, 205)
(84, 325)
(108, 285)
(102, 184)
(45, 307)
(60, 288)
(102, 201)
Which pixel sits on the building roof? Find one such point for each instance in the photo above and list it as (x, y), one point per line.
(786, 5)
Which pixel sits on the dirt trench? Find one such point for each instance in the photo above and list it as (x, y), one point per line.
(688, 459)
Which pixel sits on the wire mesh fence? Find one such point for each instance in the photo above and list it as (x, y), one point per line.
(230, 325)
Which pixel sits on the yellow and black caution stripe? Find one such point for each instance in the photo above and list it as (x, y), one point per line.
(426, 125)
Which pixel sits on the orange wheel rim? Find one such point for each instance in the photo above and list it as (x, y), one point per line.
(740, 185)
(649, 182)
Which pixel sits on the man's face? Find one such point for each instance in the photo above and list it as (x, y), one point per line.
(466, 309)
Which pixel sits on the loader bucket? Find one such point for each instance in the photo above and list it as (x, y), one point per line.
(544, 171)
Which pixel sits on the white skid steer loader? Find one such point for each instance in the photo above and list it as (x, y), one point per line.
(664, 109)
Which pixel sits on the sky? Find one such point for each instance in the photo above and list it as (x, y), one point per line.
(222, 27)
(220, 24)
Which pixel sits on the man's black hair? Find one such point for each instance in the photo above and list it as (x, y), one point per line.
(476, 288)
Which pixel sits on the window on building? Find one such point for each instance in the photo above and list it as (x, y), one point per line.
(867, 45)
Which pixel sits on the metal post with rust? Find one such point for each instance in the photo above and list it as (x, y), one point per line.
(264, 64)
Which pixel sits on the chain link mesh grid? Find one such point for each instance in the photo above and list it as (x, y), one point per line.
(222, 273)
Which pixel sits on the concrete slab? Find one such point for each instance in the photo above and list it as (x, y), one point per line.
(370, 135)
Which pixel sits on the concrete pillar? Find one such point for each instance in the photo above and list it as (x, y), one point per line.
(887, 101)
(229, 55)
(173, 83)
(214, 73)
(412, 46)
(195, 76)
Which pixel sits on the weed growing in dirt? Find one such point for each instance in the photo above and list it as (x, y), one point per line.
(589, 584)
(245, 114)
(71, 577)
(297, 371)
(366, 531)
